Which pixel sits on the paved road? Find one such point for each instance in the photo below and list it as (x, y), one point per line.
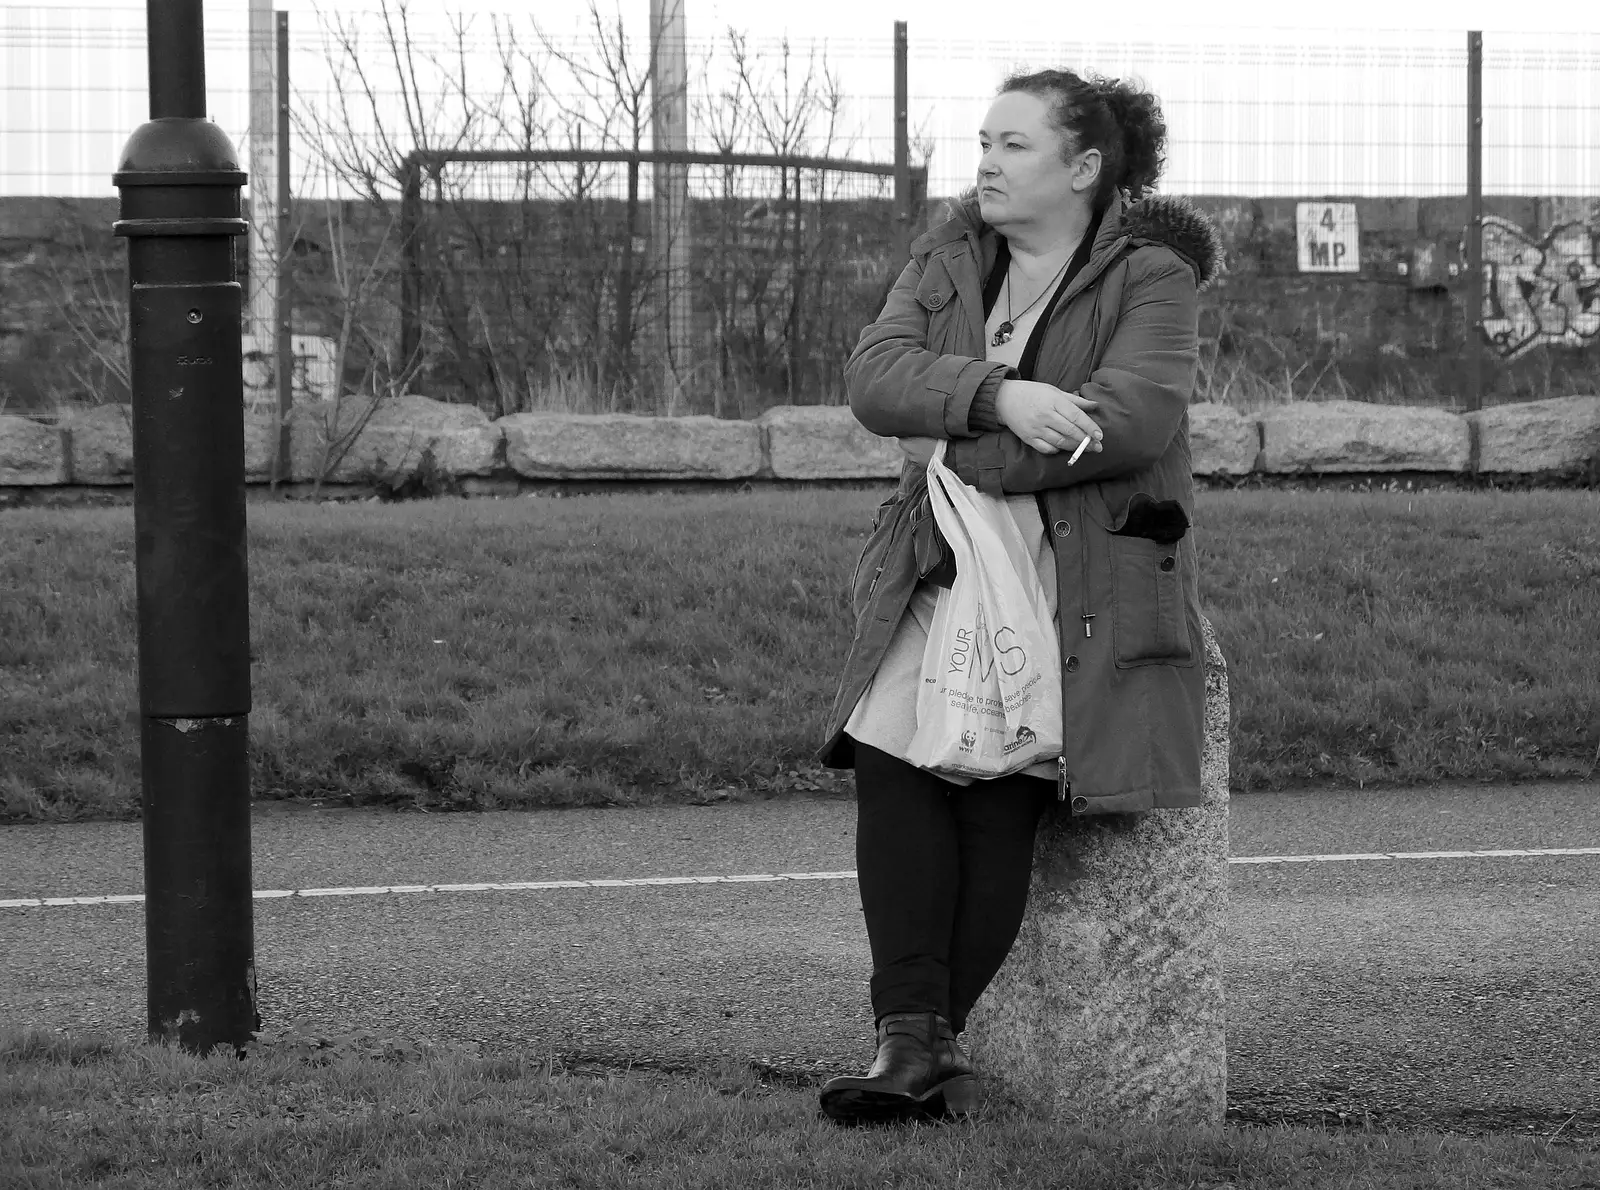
(1459, 994)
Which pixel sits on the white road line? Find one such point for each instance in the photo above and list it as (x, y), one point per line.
(1360, 855)
(267, 894)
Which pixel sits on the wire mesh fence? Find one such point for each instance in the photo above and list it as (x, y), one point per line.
(1335, 170)
(1358, 144)
(782, 262)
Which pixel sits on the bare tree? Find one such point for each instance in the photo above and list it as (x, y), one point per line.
(785, 105)
(358, 268)
(618, 92)
(89, 293)
(536, 282)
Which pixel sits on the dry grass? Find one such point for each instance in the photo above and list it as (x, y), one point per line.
(492, 654)
(90, 1112)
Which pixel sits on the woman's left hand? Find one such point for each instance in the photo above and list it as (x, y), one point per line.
(918, 450)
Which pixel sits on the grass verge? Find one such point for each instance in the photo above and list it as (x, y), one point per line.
(95, 1112)
(609, 648)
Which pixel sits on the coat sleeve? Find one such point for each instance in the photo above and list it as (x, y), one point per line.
(897, 386)
(1143, 384)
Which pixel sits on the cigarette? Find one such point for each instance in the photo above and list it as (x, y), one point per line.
(1078, 454)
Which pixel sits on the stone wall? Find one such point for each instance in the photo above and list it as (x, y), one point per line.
(417, 445)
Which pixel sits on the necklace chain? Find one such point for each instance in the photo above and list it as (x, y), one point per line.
(1005, 330)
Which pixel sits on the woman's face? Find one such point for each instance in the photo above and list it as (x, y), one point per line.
(1021, 175)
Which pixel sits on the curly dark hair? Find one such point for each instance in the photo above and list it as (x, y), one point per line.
(1115, 116)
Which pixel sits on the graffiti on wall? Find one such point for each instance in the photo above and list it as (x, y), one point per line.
(1542, 292)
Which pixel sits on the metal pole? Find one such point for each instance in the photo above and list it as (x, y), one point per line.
(919, 199)
(411, 263)
(902, 151)
(176, 58)
(180, 181)
(671, 231)
(283, 315)
(1474, 302)
(622, 330)
(261, 297)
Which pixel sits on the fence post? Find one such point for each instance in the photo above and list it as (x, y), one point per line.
(284, 369)
(669, 130)
(261, 299)
(919, 201)
(902, 154)
(1474, 301)
(180, 181)
(410, 265)
(621, 370)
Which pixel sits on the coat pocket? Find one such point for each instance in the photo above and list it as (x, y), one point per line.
(937, 289)
(873, 552)
(1150, 624)
(936, 562)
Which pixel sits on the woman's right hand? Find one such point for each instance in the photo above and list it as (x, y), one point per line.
(1046, 418)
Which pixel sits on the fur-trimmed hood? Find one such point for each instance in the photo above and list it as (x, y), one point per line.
(1178, 224)
(1166, 220)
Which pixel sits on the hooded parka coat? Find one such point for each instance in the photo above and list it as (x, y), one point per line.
(1123, 333)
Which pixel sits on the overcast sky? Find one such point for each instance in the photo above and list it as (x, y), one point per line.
(1159, 19)
(1360, 97)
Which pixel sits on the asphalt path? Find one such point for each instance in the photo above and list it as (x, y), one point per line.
(1454, 994)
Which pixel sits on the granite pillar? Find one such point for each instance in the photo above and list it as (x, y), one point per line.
(1110, 1006)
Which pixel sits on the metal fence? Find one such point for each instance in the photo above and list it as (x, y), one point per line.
(508, 276)
(781, 261)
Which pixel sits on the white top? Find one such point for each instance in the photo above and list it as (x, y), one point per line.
(886, 715)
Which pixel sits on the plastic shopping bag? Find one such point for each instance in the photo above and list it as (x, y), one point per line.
(989, 702)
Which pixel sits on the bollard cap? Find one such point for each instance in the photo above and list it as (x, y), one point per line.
(178, 151)
(179, 177)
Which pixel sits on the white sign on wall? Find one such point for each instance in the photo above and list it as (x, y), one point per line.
(1329, 238)
(313, 380)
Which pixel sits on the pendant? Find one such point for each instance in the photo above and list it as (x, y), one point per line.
(1002, 334)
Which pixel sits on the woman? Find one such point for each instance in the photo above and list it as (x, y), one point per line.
(1057, 304)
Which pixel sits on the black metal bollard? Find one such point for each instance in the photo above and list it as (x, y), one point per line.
(180, 182)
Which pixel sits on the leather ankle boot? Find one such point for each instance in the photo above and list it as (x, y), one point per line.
(919, 1071)
(952, 1058)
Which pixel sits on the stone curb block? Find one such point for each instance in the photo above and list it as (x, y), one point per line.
(32, 454)
(825, 442)
(1331, 436)
(1556, 434)
(1113, 905)
(1222, 440)
(392, 443)
(624, 446)
(470, 451)
(1559, 435)
(260, 426)
(100, 444)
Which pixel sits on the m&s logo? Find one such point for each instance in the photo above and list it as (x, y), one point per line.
(1012, 657)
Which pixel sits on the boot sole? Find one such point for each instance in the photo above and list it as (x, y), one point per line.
(960, 1094)
(957, 1096)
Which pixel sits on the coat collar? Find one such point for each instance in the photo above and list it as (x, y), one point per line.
(1165, 220)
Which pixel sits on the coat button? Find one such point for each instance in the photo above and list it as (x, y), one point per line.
(935, 300)
(1167, 563)
(1062, 528)
(1072, 664)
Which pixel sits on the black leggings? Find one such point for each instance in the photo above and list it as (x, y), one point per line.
(944, 873)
